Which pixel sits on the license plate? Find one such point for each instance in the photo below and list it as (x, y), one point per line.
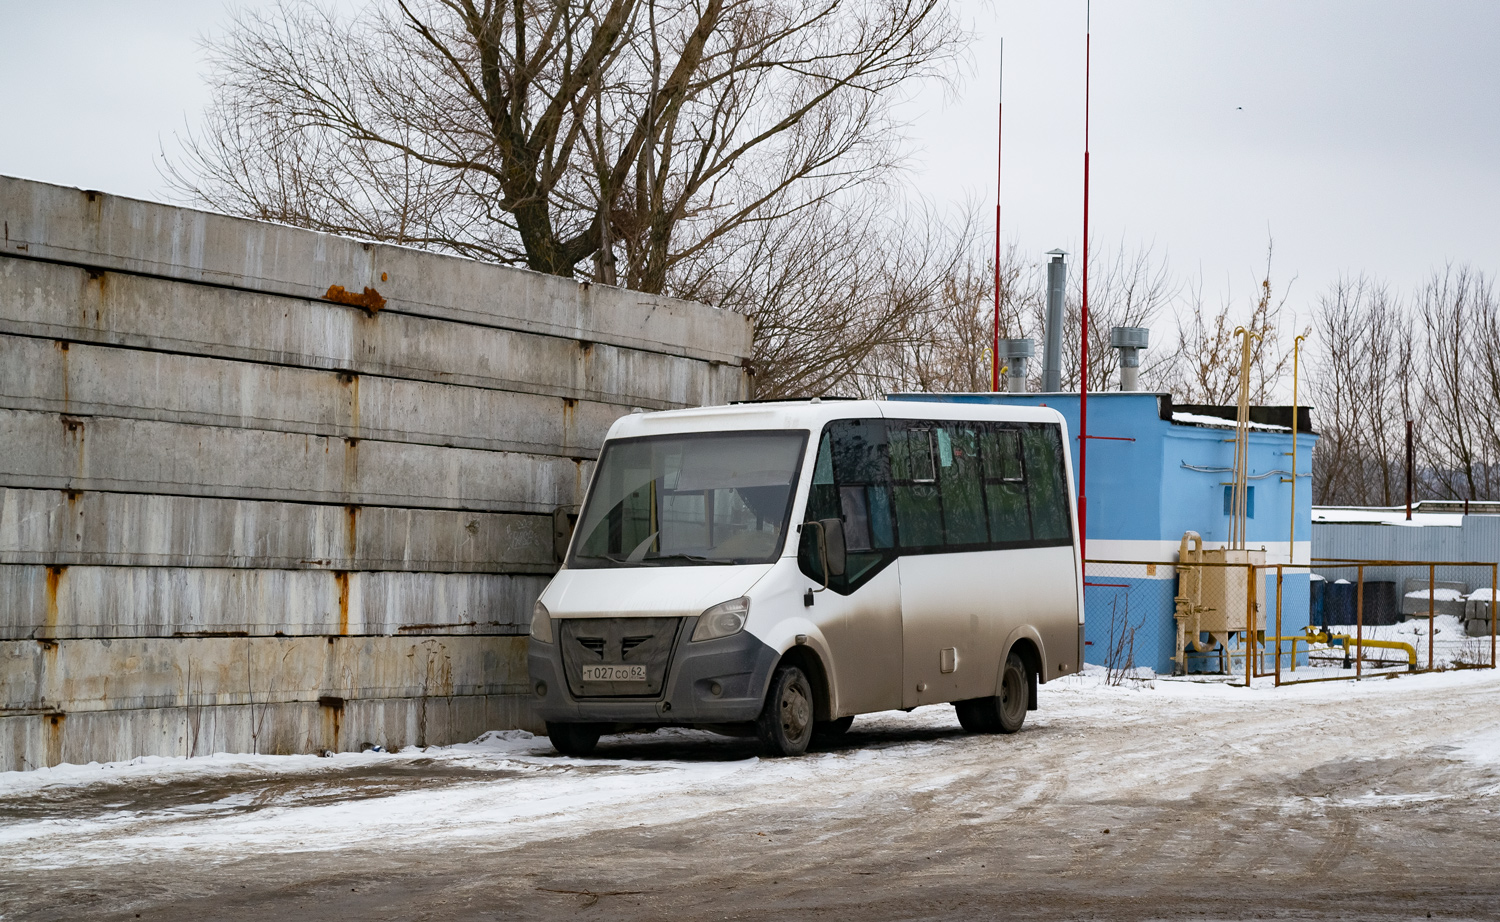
(614, 673)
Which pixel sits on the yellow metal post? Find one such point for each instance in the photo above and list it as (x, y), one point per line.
(1292, 550)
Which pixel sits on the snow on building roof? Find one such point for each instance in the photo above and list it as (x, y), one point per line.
(1364, 515)
(1214, 422)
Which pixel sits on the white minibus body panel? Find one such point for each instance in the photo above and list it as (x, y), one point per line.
(697, 568)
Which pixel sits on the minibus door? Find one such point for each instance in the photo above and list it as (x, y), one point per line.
(950, 644)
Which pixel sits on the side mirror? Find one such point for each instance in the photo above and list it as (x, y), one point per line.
(834, 551)
(563, 520)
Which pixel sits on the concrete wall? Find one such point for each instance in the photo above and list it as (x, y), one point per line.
(236, 515)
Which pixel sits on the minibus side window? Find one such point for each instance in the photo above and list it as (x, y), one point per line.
(1005, 486)
(850, 483)
(1048, 484)
(958, 470)
(919, 507)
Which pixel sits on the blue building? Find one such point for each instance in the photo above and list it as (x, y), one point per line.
(1156, 471)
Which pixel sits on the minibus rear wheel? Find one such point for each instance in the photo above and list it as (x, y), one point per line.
(573, 739)
(1002, 713)
(785, 724)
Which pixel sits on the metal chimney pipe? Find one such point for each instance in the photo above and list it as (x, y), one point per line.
(1015, 354)
(1057, 285)
(1131, 341)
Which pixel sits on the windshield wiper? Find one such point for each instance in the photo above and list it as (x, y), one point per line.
(695, 558)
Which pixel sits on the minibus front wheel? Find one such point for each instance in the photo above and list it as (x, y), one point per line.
(573, 739)
(785, 724)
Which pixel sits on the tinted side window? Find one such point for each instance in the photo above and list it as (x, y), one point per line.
(958, 470)
(1047, 484)
(919, 507)
(924, 486)
(1005, 494)
(851, 483)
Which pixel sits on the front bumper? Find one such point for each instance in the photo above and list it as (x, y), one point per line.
(741, 666)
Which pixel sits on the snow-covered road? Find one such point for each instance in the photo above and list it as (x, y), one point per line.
(1376, 800)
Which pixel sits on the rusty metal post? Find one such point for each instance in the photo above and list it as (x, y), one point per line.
(1359, 625)
(1494, 572)
(1278, 624)
(1431, 611)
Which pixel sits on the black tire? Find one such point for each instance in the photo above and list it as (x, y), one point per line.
(1002, 713)
(573, 739)
(828, 732)
(785, 724)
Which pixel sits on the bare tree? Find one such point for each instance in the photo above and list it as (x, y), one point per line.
(1207, 361)
(633, 134)
(950, 345)
(829, 291)
(1457, 306)
(1363, 364)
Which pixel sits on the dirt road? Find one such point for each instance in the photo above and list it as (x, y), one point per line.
(1179, 801)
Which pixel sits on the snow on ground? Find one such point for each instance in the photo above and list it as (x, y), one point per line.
(1451, 645)
(507, 789)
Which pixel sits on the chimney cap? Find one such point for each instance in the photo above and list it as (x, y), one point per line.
(1057, 253)
(1129, 337)
(1017, 348)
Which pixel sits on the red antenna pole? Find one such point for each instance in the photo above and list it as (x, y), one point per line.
(1083, 369)
(999, 133)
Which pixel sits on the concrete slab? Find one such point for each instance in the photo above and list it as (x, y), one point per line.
(123, 602)
(69, 303)
(37, 740)
(86, 380)
(70, 676)
(88, 228)
(55, 451)
(61, 528)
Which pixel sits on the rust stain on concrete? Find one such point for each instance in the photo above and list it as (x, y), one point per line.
(341, 578)
(351, 532)
(55, 726)
(350, 380)
(332, 709)
(55, 577)
(351, 466)
(369, 300)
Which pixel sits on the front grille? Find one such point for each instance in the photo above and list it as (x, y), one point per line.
(626, 642)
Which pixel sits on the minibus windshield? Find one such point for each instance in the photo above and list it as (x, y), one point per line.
(690, 500)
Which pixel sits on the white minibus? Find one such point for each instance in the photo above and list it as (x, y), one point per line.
(781, 567)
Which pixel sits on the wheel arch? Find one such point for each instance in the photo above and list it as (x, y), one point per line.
(805, 658)
(1029, 649)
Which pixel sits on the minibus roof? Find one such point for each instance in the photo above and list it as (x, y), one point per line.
(812, 414)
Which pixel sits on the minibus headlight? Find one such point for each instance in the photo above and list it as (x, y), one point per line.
(723, 619)
(541, 623)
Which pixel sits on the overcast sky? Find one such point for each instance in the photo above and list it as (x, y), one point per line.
(1362, 136)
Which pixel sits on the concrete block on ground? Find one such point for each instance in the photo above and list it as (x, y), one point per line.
(124, 602)
(107, 231)
(70, 676)
(101, 453)
(63, 528)
(44, 300)
(37, 740)
(86, 380)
